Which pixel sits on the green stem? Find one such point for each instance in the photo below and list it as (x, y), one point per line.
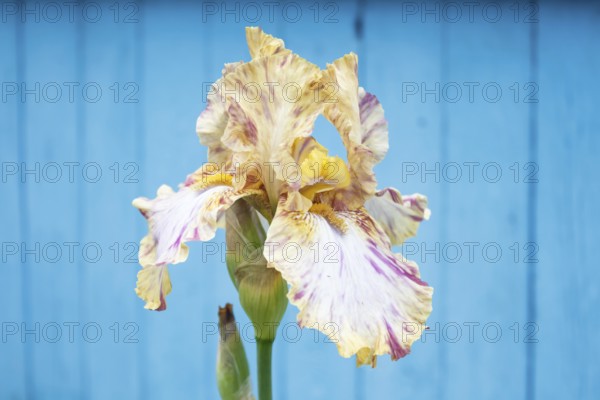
(263, 354)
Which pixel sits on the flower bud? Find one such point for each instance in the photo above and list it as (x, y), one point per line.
(233, 373)
(262, 290)
(244, 237)
(263, 297)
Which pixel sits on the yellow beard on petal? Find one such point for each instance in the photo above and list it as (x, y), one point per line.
(205, 181)
(327, 212)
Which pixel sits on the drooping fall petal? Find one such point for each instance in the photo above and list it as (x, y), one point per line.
(153, 282)
(186, 215)
(346, 281)
(192, 213)
(399, 216)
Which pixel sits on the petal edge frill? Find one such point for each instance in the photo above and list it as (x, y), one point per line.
(347, 283)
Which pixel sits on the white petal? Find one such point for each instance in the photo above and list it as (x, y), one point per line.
(346, 281)
(178, 217)
(192, 213)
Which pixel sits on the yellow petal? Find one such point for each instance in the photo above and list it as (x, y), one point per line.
(153, 282)
(271, 102)
(262, 44)
(211, 123)
(319, 172)
(359, 119)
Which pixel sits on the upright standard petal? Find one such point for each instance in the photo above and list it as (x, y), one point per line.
(211, 123)
(358, 117)
(271, 101)
(261, 44)
(347, 283)
(399, 216)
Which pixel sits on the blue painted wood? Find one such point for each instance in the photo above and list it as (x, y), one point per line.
(170, 54)
(13, 361)
(567, 294)
(49, 135)
(106, 136)
(493, 131)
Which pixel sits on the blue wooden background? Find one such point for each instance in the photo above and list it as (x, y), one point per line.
(161, 55)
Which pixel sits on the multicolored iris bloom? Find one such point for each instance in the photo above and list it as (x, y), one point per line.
(373, 298)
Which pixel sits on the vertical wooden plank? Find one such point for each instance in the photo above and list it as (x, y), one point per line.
(491, 129)
(403, 51)
(568, 299)
(532, 211)
(12, 362)
(139, 129)
(106, 137)
(48, 137)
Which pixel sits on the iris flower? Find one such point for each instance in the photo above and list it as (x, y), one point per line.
(330, 231)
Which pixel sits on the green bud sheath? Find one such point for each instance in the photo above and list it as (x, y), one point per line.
(245, 237)
(262, 290)
(233, 373)
(263, 297)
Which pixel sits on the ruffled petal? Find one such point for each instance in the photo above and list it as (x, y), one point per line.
(347, 283)
(211, 123)
(262, 44)
(153, 282)
(192, 213)
(186, 215)
(271, 102)
(399, 216)
(358, 116)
